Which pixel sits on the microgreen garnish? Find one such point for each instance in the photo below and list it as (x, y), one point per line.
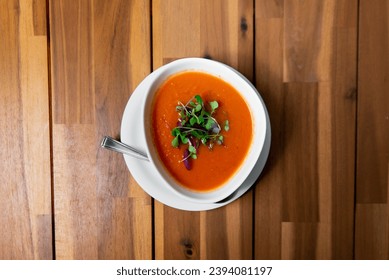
(226, 125)
(196, 125)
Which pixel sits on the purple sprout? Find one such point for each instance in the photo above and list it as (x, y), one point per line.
(186, 159)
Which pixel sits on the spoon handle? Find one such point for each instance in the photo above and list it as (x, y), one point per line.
(117, 146)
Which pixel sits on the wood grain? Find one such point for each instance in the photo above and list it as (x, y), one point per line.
(220, 30)
(25, 192)
(371, 231)
(300, 186)
(99, 53)
(373, 100)
(67, 69)
(306, 72)
(372, 215)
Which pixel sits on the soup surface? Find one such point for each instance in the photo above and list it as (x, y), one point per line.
(213, 166)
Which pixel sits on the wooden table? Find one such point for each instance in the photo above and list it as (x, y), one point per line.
(68, 67)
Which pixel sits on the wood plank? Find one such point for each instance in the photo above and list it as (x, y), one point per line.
(299, 240)
(100, 51)
(343, 109)
(373, 103)
(220, 30)
(300, 187)
(306, 72)
(302, 241)
(372, 230)
(269, 82)
(269, 9)
(302, 39)
(75, 218)
(25, 180)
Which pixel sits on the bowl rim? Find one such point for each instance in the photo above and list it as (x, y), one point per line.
(258, 115)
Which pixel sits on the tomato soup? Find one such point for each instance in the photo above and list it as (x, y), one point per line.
(215, 166)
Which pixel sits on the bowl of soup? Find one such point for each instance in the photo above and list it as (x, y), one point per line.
(205, 126)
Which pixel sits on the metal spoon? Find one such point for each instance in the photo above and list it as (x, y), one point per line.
(117, 146)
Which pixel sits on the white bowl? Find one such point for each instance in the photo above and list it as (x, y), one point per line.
(253, 100)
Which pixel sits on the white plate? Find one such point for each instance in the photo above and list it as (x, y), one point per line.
(146, 175)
